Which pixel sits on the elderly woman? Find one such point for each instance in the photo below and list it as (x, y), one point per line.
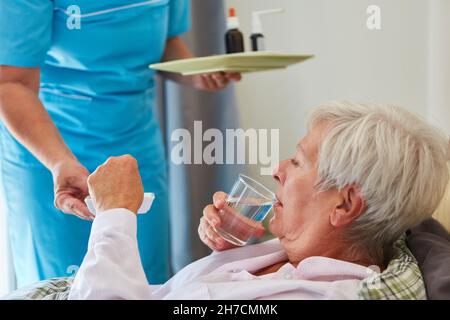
(357, 181)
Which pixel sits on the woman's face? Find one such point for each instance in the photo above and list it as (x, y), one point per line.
(301, 215)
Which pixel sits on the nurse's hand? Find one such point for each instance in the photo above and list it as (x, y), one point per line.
(70, 184)
(176, 49)
(214, 81)
(211, 219)
(117, 184)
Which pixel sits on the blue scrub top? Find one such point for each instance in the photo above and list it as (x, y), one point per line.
(95, 81)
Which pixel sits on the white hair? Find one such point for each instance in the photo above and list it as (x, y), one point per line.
(397, 159)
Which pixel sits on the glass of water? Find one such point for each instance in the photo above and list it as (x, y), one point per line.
(248, 204)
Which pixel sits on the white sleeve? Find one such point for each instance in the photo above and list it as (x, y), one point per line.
(112, 267)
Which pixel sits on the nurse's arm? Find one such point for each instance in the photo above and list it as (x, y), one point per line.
(25, 117)
(176, 49)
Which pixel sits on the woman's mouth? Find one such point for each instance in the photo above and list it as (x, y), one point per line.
(277, 202)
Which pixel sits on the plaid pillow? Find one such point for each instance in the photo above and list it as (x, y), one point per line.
(401, 280)
(51, 289)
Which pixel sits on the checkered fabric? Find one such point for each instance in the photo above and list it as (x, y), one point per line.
(51, 289)
(402, 279)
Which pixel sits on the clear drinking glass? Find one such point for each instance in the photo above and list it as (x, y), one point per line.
(248, 203)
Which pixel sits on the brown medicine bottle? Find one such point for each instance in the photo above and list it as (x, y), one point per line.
(234, 40)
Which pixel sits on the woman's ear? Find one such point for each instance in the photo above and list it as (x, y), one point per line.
(349, 207)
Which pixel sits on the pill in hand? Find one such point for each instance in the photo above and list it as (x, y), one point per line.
(144, 208)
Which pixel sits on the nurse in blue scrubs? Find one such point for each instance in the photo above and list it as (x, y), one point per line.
(75, 90)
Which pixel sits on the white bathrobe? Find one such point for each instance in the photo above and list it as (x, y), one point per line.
(112, 269)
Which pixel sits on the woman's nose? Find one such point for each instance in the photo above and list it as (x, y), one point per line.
(277, 173)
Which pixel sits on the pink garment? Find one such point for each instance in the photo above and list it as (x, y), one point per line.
(112, 270)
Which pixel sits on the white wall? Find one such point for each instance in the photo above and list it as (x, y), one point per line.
(439, 63)
(351, 61)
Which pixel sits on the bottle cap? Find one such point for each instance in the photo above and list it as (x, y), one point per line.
(232, 21)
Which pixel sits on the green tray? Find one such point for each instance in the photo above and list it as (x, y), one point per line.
(236, 62)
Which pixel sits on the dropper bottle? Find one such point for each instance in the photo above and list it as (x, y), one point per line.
(234, 40)
(257, 36)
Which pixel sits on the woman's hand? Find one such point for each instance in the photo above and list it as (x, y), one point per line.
(117, 184)
(214, 81)
(211, 219)
(70, 187)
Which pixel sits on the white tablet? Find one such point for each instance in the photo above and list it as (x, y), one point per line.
(144, 208)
